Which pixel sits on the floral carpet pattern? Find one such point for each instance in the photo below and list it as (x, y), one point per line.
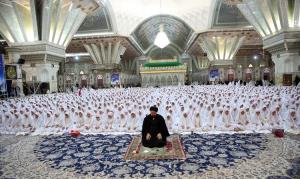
(172, 150)
(102, 156)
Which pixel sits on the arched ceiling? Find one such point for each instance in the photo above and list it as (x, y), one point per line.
(130, 14)
(168, 52)
(227, 16)
(98, 22)
(140, 19)
(177, 31)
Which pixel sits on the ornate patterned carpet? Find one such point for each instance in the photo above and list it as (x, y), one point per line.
(172, 150)
(102, 156)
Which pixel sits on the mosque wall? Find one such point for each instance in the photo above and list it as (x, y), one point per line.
(40, 73)
(85, 74)
(236, 71)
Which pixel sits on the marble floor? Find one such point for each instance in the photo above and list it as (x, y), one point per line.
(102, 156)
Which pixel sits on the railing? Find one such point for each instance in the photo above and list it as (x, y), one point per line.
(166, 68)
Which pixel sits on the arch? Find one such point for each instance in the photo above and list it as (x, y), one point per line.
(157, 81)
(169, 80)
(175, 80)
(100, 21)
(224, 15)
(111, 13)
(163, 81)
(151, 81)
(44, 76)
(177, 30)
(167, 53)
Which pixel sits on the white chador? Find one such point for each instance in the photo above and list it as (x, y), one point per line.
(212, 120)
(291, 121)
(184, 108)
(198, 123)
(133, 121)
(110, 121)
(88, 122)
(258, 121)
(80, 121)
(48, 123)
(184, 122)
(169, 121)
(97, 124)
(227, 121)
(219, 125)
(242, 120)
(275, 120)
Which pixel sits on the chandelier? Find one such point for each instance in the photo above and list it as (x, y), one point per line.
(161, 39)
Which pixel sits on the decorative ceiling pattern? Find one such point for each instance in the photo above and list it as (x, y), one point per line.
(226, 15)
(252, 39)
(76, 45)
(130, 14)
(177, 31)
(221, 47)
(272, 17)
(168, 52)
(98, 22)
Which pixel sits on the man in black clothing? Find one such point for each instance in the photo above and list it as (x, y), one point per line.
(154, 132)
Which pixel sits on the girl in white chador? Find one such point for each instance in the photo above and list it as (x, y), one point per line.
(132, 122)
(26, 123)
(219, 120)
(227, 120)
(110, 121)
(242, 119)
(80, 121)
(198, 123)
(97, 123)
(169, 121)
(48, 123)
(67, 122)
(88, 122)
(291, 121)
(212, 120)
(56, 113)
(258, 120)
(184, 122)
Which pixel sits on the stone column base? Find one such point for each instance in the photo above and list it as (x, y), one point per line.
(40, 73)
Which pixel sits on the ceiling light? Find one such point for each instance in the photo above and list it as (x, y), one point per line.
(161, 39)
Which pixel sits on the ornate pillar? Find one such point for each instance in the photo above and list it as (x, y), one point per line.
(278, 22)
(201, 63)
(13, 58)
(43, 30)
(106, 55)
(221, 51)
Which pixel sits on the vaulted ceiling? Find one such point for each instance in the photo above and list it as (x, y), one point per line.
(178, 31)
(139, 21)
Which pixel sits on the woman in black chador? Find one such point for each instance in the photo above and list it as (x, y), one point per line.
(154, 132)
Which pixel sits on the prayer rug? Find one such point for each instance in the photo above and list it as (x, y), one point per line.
(172, 150)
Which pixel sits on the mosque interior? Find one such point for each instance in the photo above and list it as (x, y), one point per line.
(100, 44)
(93, 64)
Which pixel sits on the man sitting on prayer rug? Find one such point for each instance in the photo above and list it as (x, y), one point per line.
(154, 130)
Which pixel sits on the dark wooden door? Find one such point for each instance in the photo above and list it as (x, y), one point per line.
(83, 83)
(230, 77)
(248, 77)
(287, 80)
(100, 83)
